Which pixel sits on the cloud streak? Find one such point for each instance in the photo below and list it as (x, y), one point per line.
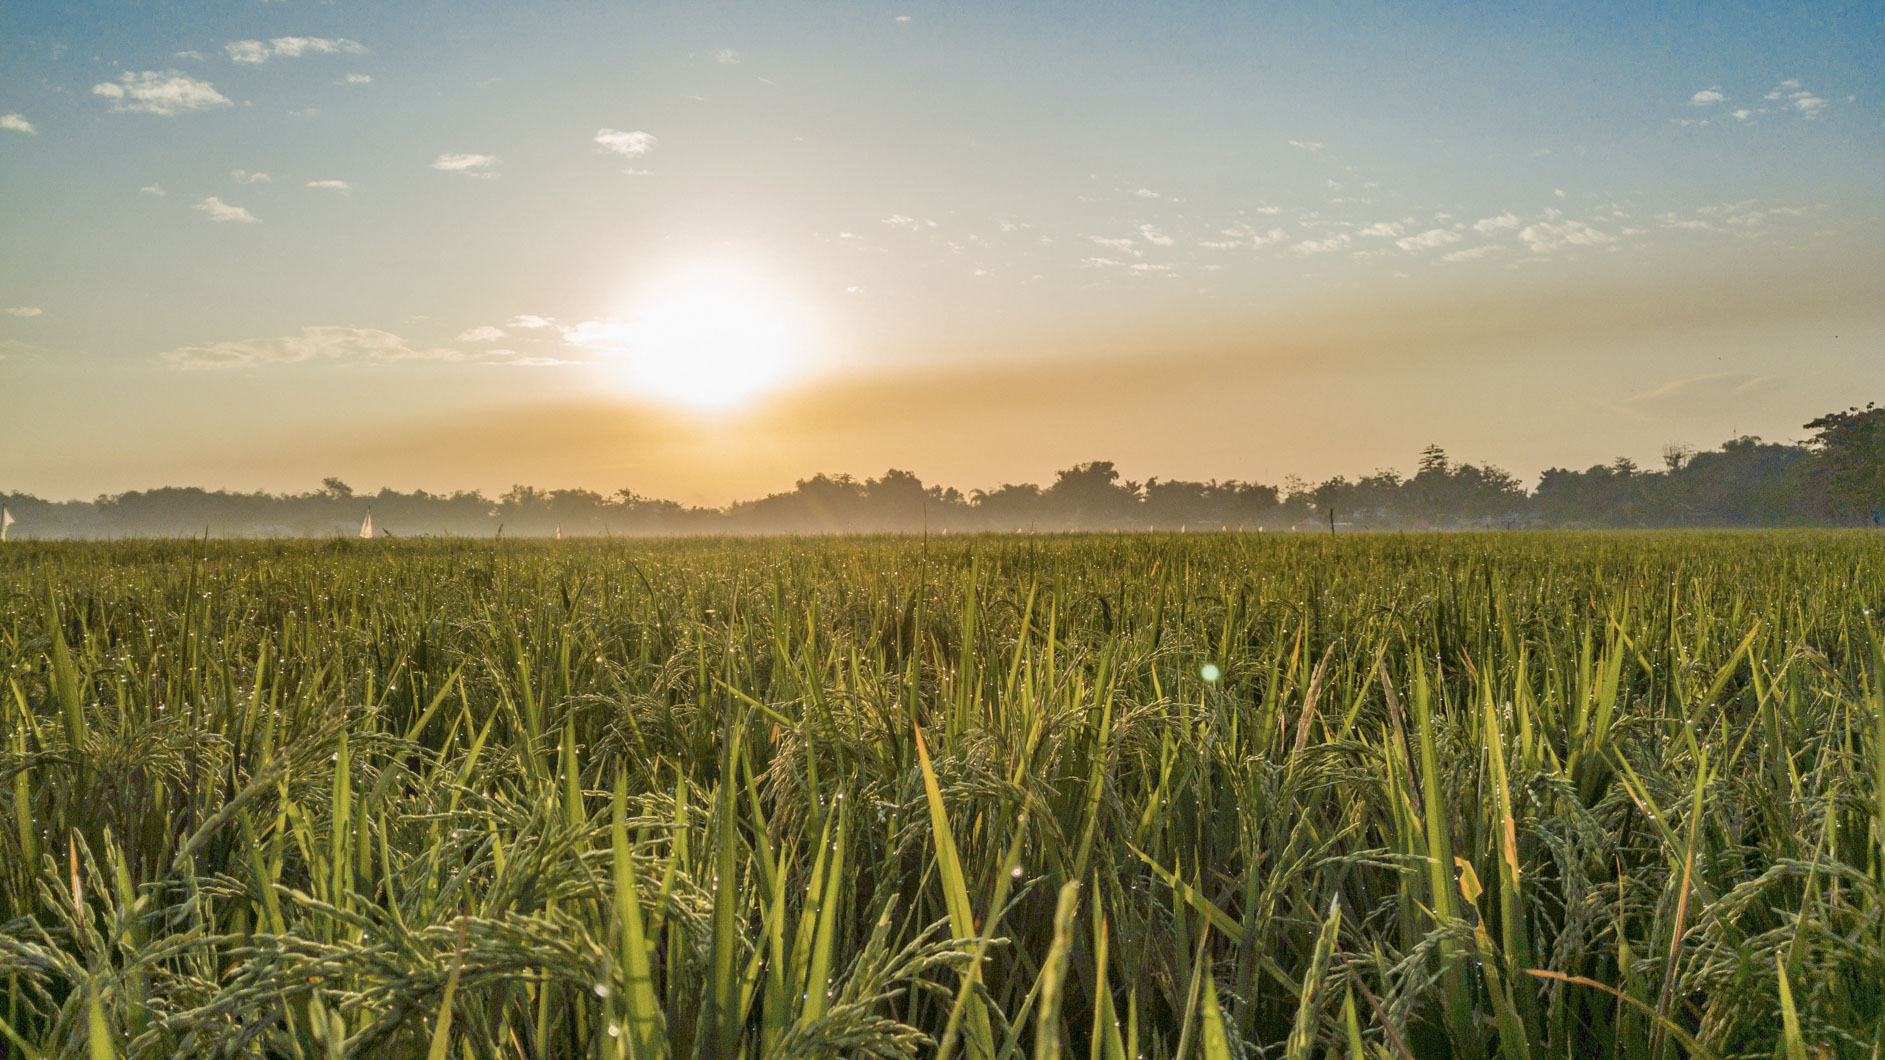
(331, 344)
(217, 210)
(18, 123)
(162, 92)
(257, 52)
(470, 165)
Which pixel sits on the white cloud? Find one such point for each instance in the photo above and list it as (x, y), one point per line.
(243, 176)
(256, 52)
(1489, 225)
(18, 123)
(1547, 236)
(1115, 242)
(1146, 193)
(218, 210)
(902, 18)
(356, 345)
(486, 333)
(1382, 230)
(1473, 253)
(1156, 236)
(359, 79)
(165, 92)
(725, 57)
(23, 310)
(153, 189)
(1311, 146)
(1706, 97)
(1809, 105)
(1428, 240)
(531, 322)
(627, 144)
(470, 165)
(1322, 246)
(1743, 114)
(330, 185)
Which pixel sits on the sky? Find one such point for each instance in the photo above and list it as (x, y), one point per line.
(703, 250)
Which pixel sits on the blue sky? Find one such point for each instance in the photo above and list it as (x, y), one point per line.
(237, 233)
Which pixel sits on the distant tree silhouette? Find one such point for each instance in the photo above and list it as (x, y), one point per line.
(1837, 476)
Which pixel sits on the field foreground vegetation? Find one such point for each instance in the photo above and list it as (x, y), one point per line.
(1469, 795)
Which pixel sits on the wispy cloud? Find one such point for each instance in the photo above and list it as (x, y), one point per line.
(217, 210)
(1472, 253)
(1429, 240)
(470, 165)
(359, 79)
(1156, 236)
(256, 52)
(531, 322)
(1707, 97)
(23, 310)
(725, 56)
(1322, 246)
(486, 333)
(1546, 236)
(1382, 230)
(244, 176)
(1311, 146)
(18, 123)
(163, 92)
(1485, 226)
(155, 190)
(338, 344)
(330, 185)
(1697, 395)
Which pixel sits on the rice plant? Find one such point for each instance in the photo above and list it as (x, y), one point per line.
(1522, 795)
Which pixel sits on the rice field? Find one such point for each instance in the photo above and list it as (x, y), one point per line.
(1514, 795)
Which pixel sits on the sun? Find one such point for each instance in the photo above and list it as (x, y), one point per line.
(708, 336)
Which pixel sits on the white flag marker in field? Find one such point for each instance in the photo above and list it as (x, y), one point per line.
(366, 525)
(559, 531)
(6, 520)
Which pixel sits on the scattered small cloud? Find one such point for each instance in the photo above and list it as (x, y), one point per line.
(217, 210)
(725, 56)
(153, 190)
(1311, 146)
(1743, 114)
(340, 344)
(1559, 192)
(1707, 97)
(1472, 253)
(1546, 236)
(1322, 246)
(18, 123)
(627, 144)
(1429, 240)
(1154, 235)
(1146, 193)
(903, 18)
(470, 165)
(898, 220)
(256, 52)
(330, 185)
(161, 92)
(244, 176)
(1488, 225)
(23, 310)
(359, 79)
(531, 322)
(486, 333)
(1382, 230)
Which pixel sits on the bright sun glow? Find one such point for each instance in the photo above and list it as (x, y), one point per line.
(709, 336)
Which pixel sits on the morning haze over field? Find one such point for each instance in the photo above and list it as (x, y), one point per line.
(702, 252)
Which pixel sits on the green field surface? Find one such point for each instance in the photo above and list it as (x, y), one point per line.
(1462, 795)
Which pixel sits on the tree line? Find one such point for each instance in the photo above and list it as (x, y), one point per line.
(1834, 477)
